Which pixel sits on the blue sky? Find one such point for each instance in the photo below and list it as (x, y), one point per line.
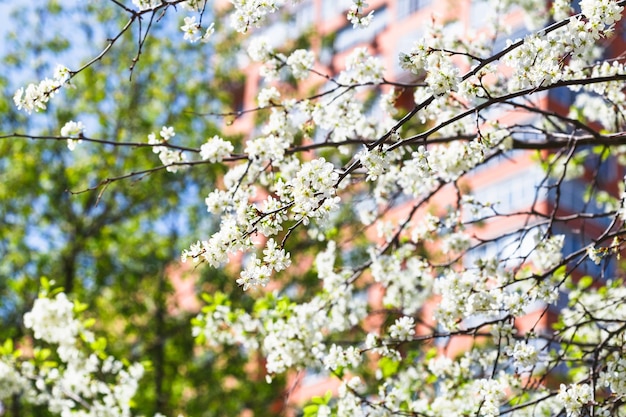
(5, 21)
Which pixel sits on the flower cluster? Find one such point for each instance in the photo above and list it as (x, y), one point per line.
(375, 162)
(576, 39)
(219, 324)
(250, 14)
(338, 357)
(492, 392)
(170, 158)
(313, 190)
(574, 397)
(268, 96)
(192, 30)
(548, 254)
(73, 130)
(427, 167)
(215, 149)
(82, 381)
(402, 329)
(36, 96)
(524, 356)
(600, 14)
(12, 382)
(407, 278)
(613, 376)
(362, 68)
(356, 16)
(258, 272)
(52, 320)
(428, 54)
(561, 9)
(300, 62)
(259, 49)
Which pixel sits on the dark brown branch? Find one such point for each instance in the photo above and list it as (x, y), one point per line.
(100, 141)
(424, 136)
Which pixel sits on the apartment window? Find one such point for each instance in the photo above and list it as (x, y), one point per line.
(408, 7)
(501, 41)
(331, 8)
(479, 11)
(511, 250)
(574, 200)
(314, 376)
(604, 167)
(563, 96)
(276, 33)
(511, 194)
(304, 15)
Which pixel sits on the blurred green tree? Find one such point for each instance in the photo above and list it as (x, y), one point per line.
(113, 247)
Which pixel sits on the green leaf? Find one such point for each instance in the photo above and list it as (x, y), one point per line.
(41, 354)
(89, 322)
(431, 354)
(560, 272)
(388, 366)
(200, 339)
(311, 410)
(7, 347)
(585, 282)
(99, 345)
(79, 307)
(45, 284)
(328, 396)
